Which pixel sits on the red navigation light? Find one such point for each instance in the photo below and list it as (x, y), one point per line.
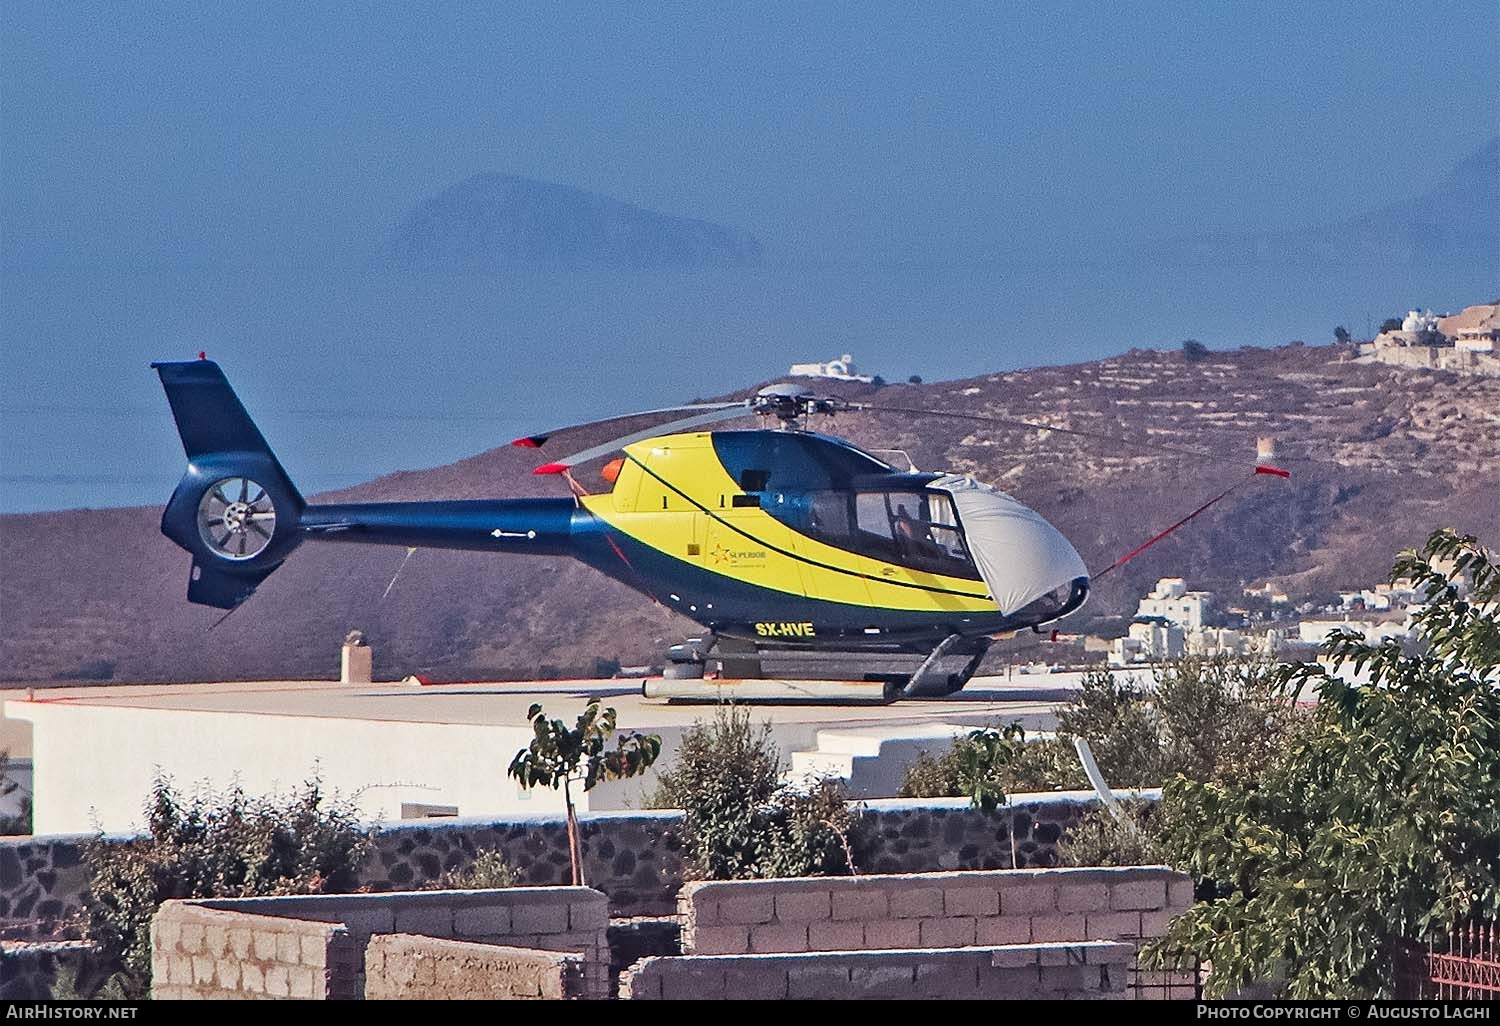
(202, 355)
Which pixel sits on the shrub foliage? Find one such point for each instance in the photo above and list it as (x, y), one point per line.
(215, 845)
(740, 821)
(1378, 825)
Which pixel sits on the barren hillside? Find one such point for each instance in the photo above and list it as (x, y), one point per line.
(1379, 457)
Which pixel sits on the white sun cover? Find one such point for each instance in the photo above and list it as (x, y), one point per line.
(1019, 554)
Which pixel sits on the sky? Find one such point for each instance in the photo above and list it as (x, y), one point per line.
(924, 179)
(836, 132)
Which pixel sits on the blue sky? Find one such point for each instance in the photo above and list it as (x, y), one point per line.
(834, 131)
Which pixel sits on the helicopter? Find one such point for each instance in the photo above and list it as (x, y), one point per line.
(779, 540)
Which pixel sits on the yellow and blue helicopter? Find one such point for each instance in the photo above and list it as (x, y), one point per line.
(777, 540)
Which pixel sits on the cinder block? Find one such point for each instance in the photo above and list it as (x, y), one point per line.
(227, 973)
(203, 970)
(940, 980)
(1015, 956)
(166, 931)
(687, 982)
(1045, 929)
(893, 934)
(971, 901)
(802, 906)
(1061, 954)
(881, 981)
(1138, 895)
(365, 921)
(771, 937)
(1114, 925)
(916, 902)
(180, 970)
(954, 932)
(190, 939)
(1083, 898)
(488, 921)
(836, 936)
(239, 942)
(865, 903)
(1180, 893)
(539, 919)
(592, 914)
(747, 908)
(817, 983)
(288, 948)
(1027, 899)
(252, 978)
(278, 981)
(717, 940)
(1156, 924)
(1003, 930)
(264, 945)
(755, 983)
(1065, 978)
(215, 940)
(301, 979)
(427, 920)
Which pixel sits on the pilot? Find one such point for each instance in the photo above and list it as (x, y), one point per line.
(906, 526)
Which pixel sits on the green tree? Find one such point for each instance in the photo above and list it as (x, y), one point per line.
(559, 757)
(1379, 825)
(1391, 324)
(1193, 350)
(1341, 334)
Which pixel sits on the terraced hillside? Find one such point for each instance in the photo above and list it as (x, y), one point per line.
(1379, 455)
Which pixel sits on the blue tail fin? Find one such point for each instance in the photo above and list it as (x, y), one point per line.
(235, 510)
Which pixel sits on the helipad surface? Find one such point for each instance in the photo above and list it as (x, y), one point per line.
(397, 748)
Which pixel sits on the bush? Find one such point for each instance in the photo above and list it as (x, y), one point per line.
(1099, 839)
(740, 821)
(1202, 718)
(1377, 828)
(215, 845)
(986, 765)
(487, 871)
(1193, 350)
(19, 822)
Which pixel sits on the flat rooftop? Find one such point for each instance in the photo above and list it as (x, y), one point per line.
(506, 703)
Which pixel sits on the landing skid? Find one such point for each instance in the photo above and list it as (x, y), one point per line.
(711, 669)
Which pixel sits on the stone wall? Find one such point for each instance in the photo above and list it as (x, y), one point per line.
(42, 882)
(199, 952)
(571, 920)
(32, 972)
(1031, 971)
(402, 966)
(934, 910)
(634, 858)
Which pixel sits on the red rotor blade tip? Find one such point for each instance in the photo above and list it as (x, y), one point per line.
(1273, 471)
(551, 468)
(530, 441)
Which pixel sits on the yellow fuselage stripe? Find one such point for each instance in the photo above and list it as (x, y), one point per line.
(673, 492)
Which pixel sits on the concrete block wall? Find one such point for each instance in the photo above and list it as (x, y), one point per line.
(402, 966)
(560, 919)
(930, 910)
(1028, 971)
(199, 952)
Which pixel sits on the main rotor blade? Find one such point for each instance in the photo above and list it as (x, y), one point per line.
(723, 413)
(1098, 436)
(539, 440)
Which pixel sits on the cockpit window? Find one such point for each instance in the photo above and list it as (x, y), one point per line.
(914, 528)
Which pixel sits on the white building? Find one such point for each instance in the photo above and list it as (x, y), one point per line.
(1171, 600)
(1149, 640)
(841, 369)
(1316, 632)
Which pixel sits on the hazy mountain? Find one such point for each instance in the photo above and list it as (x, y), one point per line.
(494, 221)
(1379, 456)
(1456, 223)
